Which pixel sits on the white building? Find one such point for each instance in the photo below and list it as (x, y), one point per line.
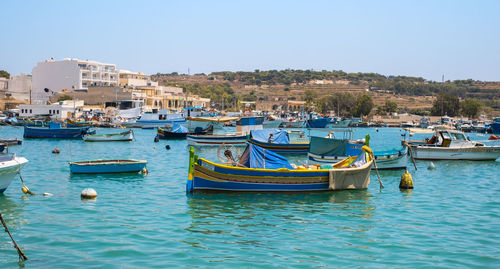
(51, 76)
(60, 110)
(4, 84)
(20, 87)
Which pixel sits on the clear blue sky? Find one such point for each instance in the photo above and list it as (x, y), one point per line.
(460, 39)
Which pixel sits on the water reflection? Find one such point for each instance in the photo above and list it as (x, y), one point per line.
(123, 178)
(11, 212)
(209, 210)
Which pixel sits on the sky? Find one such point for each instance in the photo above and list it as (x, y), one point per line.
(429, 39)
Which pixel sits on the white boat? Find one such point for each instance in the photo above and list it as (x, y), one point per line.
(453, 145)
(160, 119)
(125, 136)
(9, 167)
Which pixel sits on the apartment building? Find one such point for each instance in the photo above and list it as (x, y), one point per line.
(50, 77)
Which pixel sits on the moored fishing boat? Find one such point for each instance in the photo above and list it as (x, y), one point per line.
(293, 123)
(272, 124)
(243, 128)
(317, 123)
(107, 166)
(276, 140)
(11, 141)
(453, 145)
(10, 165)
(71, 123)
(259, 169)
(328, 150)
(495, 126)
(177, 132)
(54, 131)
(124, 136)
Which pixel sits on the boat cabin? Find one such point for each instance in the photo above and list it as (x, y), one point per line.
(450, 139)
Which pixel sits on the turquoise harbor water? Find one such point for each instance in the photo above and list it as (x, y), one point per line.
(451, 218)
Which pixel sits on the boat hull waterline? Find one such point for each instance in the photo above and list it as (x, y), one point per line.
(107, 166)
(125, 136)
(443, 153)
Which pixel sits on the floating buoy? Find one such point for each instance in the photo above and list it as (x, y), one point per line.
(157, 139)
(376, 129)
(47, 194)
(167, 147)
(89, 193)
(154, 147)
(406, 181)
(493, 137)
(431, 166)
(25, 189)
(56, 151)
(144, 171)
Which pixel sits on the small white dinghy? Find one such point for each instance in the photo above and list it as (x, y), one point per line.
(125, 136)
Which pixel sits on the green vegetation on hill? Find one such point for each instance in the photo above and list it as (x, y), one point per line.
(4, 74)
(219, 86)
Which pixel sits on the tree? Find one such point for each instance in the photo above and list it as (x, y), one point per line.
(471, 107)
(364, 105)
(445, 104)
(4, 74)
(310, 95)
(64, 98)
(391, 106)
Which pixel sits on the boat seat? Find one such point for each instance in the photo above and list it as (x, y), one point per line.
(446, 143)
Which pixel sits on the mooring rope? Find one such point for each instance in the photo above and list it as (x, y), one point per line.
(376, 170)
(22, 257)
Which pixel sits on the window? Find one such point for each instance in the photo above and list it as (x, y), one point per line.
(50, 111)
(31, 110)
(58, 111)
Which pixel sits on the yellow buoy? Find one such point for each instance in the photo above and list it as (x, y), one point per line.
(25, 189)
(406, 181)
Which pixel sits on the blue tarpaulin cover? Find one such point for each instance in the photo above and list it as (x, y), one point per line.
(279, 136)
(257, 157)
(177, 128)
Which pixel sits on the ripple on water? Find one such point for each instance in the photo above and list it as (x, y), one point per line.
(449, 220)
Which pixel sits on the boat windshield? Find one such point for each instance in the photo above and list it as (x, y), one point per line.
(458, 136)
(446, 135)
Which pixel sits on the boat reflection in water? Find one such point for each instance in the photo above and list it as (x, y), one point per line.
(213, 204)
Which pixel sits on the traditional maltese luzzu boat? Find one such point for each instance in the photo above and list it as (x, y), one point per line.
(259, 169)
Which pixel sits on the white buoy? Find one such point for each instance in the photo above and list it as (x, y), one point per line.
(47, 194)
(431, 166)
(89, 193)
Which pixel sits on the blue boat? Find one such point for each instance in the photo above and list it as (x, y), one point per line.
(54, 131)
(495, 126)
(107, 166)
(317, 123)
(276, 140)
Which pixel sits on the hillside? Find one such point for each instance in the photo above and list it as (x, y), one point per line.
(409, 93)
